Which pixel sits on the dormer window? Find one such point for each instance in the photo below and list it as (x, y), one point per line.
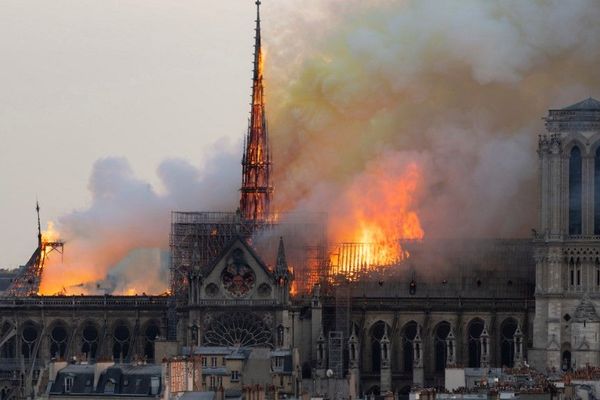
(110, 386)
(68, 384)
(154, 385)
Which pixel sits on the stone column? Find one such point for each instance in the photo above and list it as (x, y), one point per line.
(518, 356)
(353, 366)
(386, 371)
(450, 349)
(418, 372)
(484, 340)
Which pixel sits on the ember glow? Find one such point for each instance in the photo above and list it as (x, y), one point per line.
(381, 213)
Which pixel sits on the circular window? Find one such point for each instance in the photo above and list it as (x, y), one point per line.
(30, 333)
(212, 290)
(90, 333)
(264, 290)
(121, 333)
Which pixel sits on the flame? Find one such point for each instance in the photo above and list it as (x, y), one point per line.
(50, 234)
(379, 212)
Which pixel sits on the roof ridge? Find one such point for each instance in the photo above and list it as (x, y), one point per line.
(587, 104)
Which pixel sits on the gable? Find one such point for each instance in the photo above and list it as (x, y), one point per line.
(238, 273)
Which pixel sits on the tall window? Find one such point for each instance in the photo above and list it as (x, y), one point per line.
(575, 192)
(377, 332)
(597, 192)
(440, 348)
(474, 337)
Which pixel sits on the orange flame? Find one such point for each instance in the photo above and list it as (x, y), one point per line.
(381, 213)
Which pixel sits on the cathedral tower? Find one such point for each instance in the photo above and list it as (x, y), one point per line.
(567, 245)
(257, 189)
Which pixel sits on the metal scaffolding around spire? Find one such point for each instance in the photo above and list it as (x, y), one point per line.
(257, 188)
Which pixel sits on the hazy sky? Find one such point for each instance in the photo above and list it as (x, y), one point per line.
(81, 80)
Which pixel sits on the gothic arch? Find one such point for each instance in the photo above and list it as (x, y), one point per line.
(30, 333)
(575, 200)
(150, 332)
(474, 330)
(376, 332)
(121, 340)
(90, 339)
(58, 338)
(407, 334)
(440, 334)
(508, 327)
(577, 140)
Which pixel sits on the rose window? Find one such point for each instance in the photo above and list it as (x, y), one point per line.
(238, 329)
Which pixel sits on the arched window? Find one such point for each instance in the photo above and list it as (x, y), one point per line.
(29, 336)
(151, 333)
(90, 338)
(575, 192)
(408, 335)
(597, 192)
(58, 341)
(474, 337)
(377, 332)
(566, 360)
(441, 334)
(121, 340)
(508, 329)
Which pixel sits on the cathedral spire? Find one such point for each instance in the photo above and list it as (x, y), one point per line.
(257, 189)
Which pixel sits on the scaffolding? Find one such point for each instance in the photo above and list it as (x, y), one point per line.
(198, 238)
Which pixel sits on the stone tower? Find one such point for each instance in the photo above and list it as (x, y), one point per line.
(567, 244)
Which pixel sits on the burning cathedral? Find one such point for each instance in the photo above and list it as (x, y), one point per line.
(265, 302)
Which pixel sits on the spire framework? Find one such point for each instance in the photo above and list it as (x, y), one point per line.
(257, 189)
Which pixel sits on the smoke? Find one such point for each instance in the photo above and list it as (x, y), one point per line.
(358, 92)
(457, 87)
(118, 244)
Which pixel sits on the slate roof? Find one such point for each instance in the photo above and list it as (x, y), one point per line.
(589, 104)
(83, 379)
(122, 379)
(198, 396)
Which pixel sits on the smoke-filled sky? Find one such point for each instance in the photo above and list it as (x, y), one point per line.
(114, 113)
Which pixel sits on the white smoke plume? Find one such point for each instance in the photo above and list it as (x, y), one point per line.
(118, 244)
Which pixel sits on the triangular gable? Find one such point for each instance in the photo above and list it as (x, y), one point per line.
(235, 242)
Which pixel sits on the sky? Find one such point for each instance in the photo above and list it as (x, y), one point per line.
(82, 80)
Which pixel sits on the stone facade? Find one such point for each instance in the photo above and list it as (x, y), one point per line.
(567, 245)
